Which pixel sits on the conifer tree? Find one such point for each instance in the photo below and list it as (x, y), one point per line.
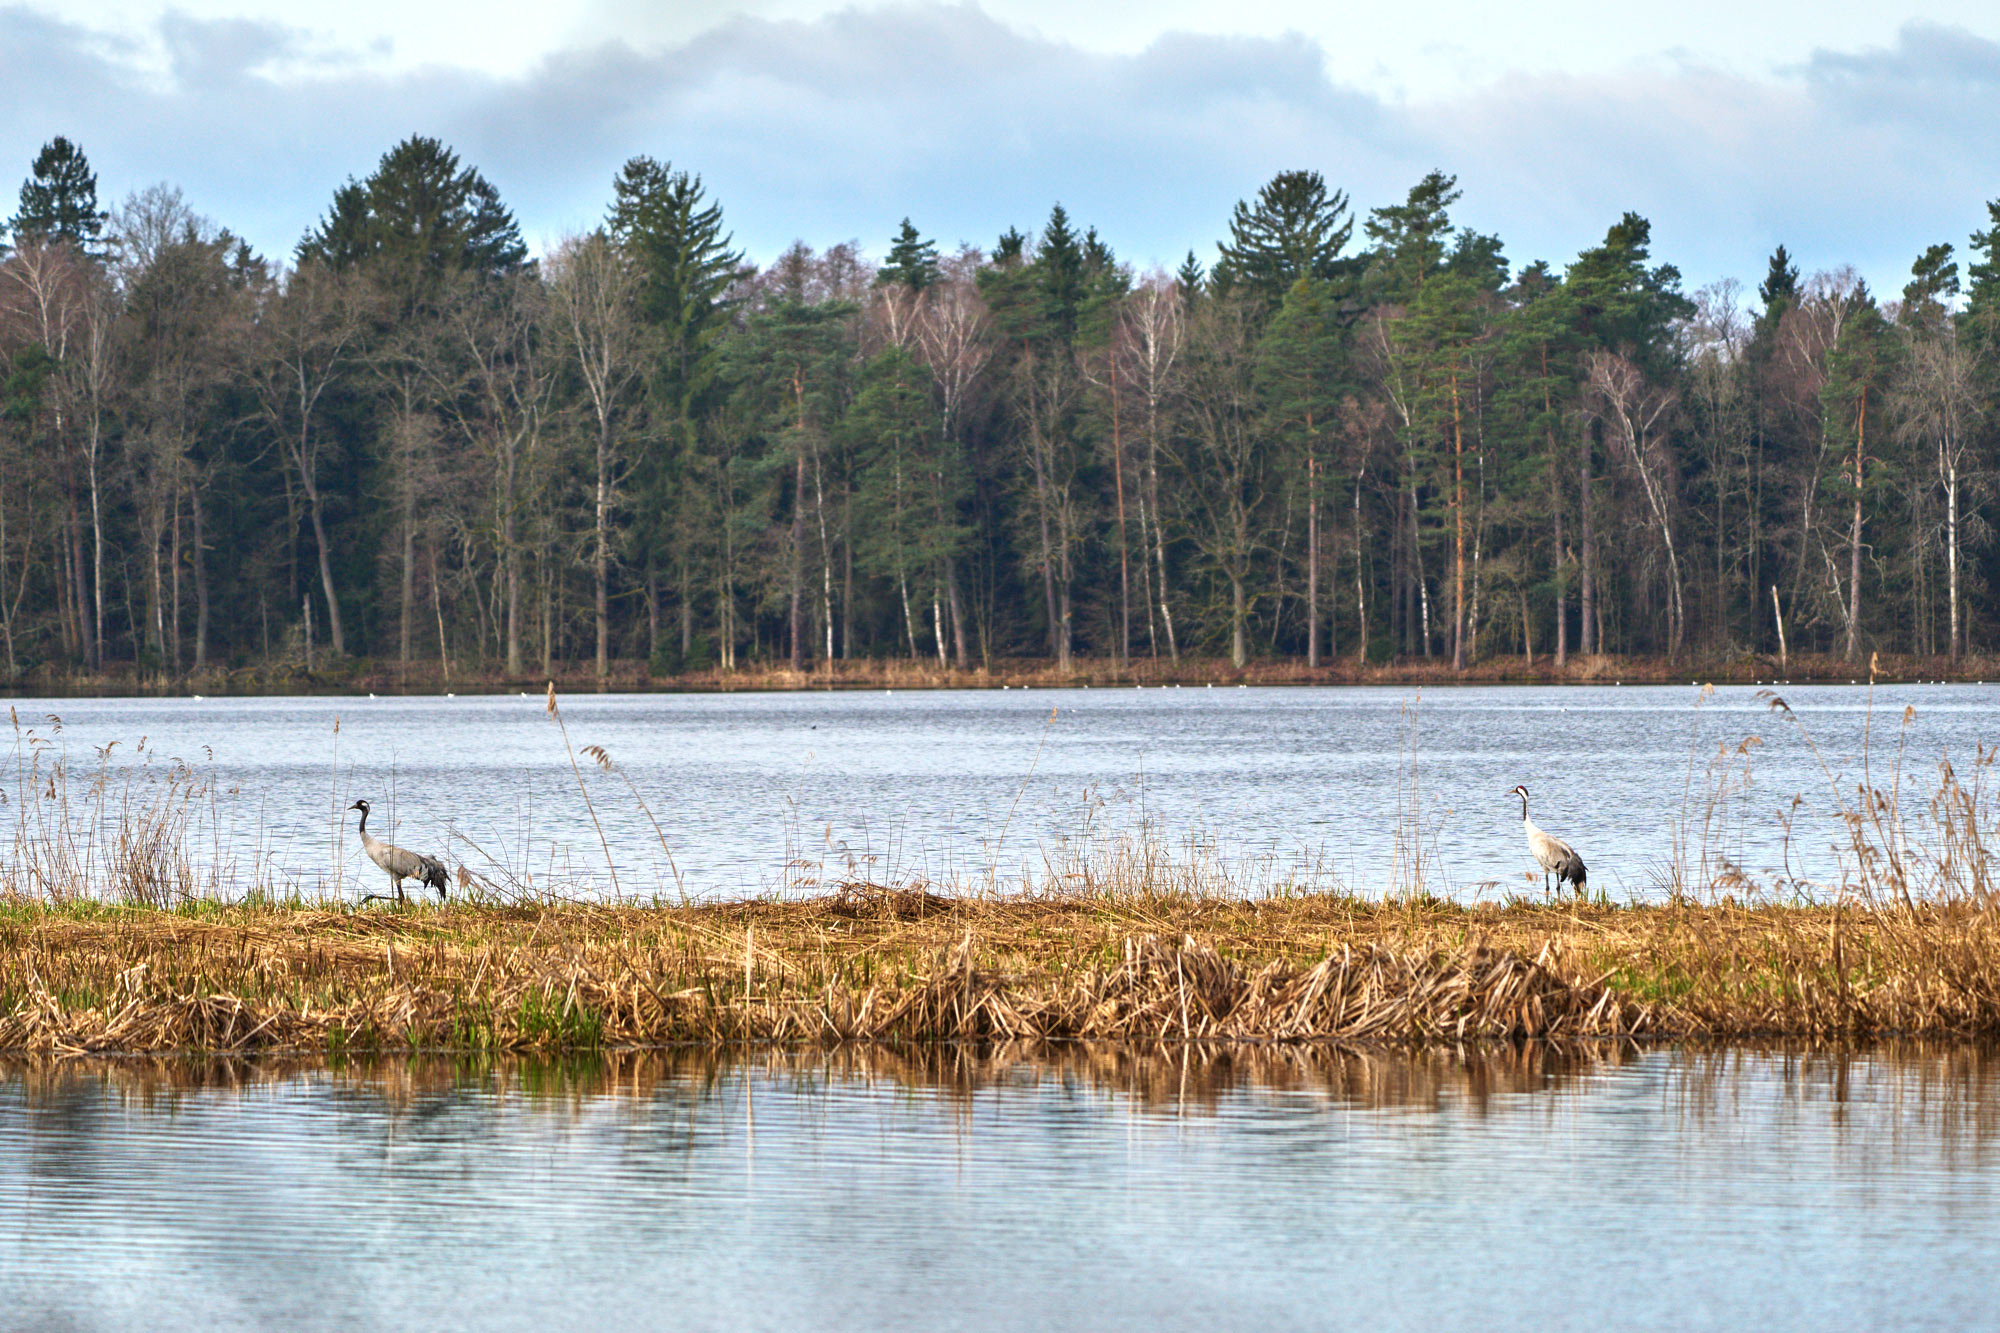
(1933, 283)
(419, 216)
(912, 262)
(1298, 376)
(1295, 229)
(59, 199)
(1982, 293)
(667, 227)
(1190, 278)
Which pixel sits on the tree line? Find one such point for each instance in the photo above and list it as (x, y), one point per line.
(1369, 436)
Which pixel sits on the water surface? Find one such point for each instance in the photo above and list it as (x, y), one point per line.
(786, 792)
(1009, 1190)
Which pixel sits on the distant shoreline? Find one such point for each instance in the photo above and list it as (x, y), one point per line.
(367, 676)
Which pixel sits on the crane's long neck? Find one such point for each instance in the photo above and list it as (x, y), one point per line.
(366, 838)
(1523, 795)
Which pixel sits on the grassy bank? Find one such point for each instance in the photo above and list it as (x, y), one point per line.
(908, 967)
(361, 675)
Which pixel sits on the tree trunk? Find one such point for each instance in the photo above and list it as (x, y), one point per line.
(1360, 577)
(601, 557)
(511, 558)
(1778, 615)
(937, 620)
(1049, 589)
(1420, 588)
(200, 581)
(408, 610)
(86, 631)
(1312, 559)
(1951, 557)
(1458, 533)
(825, 558)
(957, 613)
(339, 639)
(1587, 558)
(1562, 591)
(173, 581)
(652, 612)
(1854, 534)
(437, 609)
(798, 616)
(1124, 570)
(96, 554)
(1239, 654)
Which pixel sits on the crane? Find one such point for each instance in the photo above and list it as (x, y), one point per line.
(1553, 854)
(400, 862)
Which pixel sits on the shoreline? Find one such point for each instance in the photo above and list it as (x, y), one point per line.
(363, 676)
(907, 967)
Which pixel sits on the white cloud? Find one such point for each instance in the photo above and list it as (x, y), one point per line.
(835, 126)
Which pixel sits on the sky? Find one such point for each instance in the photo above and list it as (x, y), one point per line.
(1853, 134)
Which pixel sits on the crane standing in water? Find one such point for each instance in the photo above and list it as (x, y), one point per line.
(1553, 854)
(400, 862)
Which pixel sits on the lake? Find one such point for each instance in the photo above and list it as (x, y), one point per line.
(782, 793)
(1007, 1189)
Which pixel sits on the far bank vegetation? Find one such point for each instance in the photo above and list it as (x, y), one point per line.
(1342, 433)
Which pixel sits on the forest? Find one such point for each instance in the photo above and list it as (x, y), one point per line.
(1349, 437)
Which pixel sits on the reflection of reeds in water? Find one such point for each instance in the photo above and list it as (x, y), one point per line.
(1182, 1077)
(1944, 1094)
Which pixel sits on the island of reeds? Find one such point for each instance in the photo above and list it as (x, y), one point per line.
(1131, 963)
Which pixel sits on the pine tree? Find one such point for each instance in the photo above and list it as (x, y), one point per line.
(664, 221)
(1190, 278)
(1982, 291)
(1983, 276)
(665, 225)
(417, 218)
(1933, 283)
(1294, 230)
(1781, 282)
(912, 262)
(1410, 238)
(1059, 269)
(59, 199)
(1298, 379)
(1620, 304)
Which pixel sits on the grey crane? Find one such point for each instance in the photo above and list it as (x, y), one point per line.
(400, 862)
(1553, 854)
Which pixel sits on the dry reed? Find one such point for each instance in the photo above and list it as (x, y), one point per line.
(910, 966)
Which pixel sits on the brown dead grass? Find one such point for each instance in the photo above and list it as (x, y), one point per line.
(910, 966)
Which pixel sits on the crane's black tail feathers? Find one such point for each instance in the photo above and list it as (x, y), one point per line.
(1573, 870)
(434, 874)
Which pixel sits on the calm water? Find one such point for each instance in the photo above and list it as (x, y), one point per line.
(986, 1190)
(770, 792)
